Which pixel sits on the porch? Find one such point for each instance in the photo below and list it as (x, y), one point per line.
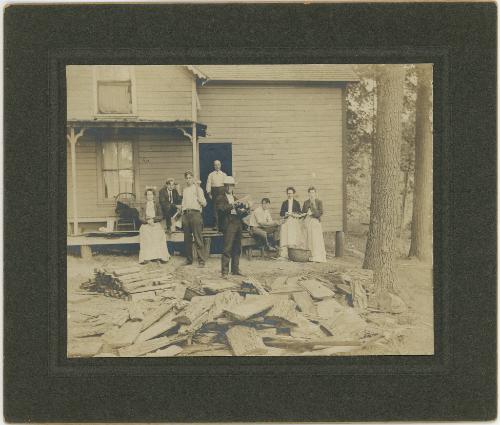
(175, 242)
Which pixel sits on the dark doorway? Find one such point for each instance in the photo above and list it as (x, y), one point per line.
(209, 152)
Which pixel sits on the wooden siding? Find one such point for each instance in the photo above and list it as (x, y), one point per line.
(281, 136)
(162, 92)
(160, 157)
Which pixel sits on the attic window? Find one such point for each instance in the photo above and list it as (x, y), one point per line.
(114, 91)
(114, 97)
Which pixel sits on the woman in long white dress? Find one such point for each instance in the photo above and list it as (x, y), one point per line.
(313, 207)
(152, 239)
(292, 229)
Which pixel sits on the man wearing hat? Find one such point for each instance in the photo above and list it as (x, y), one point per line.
(233, 212)
(169, 200)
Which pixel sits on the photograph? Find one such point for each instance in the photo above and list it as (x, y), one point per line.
(249, 210)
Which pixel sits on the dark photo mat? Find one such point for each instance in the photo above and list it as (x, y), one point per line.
(457, 383)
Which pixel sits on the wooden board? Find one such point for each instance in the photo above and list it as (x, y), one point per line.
(83, 348)
(156, 314)
(171, 351)
(305, 303)
(223, 300)
(283, 311)
(198, 306)
(316, 289)
(344, 324)
(253, 283)
(212, 286)
(290, 342)
(250, 308)
(123, 336)
(328, 308)
(163, 325)
(141, 348)
(245, 341)
(135, 312)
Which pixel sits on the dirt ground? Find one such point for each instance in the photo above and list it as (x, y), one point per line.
(412, 331)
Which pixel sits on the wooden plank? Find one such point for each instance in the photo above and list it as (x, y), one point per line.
(250, 308)
(123, 336)
(141, 348)
(171, 351)
(156, 314)
(163, 325)
(305, 302)
(198, 306)
(223, 300)
(245, 341)
(253, 283)
(283, 311)
(83, 348)
(212, 286)
(135, 312)
(316, 289)
(290, 342)
(344, 324)
(328, 308)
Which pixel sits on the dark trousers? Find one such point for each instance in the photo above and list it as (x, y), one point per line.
(263, 233)
(168, 213)
(192, 224)
(218, 193)
(232, 244)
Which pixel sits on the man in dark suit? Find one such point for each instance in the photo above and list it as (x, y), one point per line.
(233, 213)
(169, 201)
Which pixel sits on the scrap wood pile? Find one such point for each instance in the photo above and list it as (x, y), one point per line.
(128, 283)
(307, 315)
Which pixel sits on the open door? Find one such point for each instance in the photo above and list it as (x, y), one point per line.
(209, 152)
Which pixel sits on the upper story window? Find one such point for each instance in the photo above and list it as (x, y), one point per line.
(114, 90)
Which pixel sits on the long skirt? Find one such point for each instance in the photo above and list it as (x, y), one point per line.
(291, 235)
(315, 241)
(153, 243)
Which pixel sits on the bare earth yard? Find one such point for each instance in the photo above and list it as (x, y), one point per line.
(94, 320)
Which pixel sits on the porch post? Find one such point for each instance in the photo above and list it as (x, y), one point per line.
(73, 138)
(194, 119)
(194, 141)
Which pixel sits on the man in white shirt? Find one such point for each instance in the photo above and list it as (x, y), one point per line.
(193, 201)
(215, 190)
(262, 225)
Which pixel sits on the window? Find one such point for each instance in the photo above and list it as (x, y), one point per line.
(117, 168)
(114, 90)
(114, 97)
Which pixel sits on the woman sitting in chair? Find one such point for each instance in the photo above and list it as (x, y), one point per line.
(151, 234)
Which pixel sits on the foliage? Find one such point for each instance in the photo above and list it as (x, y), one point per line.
(361, 115)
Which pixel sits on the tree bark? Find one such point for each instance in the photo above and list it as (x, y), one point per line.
(421, 229)
(403, 204)
(380, 252)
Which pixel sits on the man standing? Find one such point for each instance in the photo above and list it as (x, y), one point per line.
(215, 190)
(232, 212)
(262, 225)
(193, 201)
(169, 201)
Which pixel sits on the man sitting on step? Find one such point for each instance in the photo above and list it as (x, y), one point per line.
(263, 227)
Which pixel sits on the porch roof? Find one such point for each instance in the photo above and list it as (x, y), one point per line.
(185, 126)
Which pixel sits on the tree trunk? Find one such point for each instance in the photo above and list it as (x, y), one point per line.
(380, 252)
(421, 229)
(403, 204)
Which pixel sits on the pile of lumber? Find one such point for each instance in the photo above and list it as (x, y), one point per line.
(132, 283)
(216, 317)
